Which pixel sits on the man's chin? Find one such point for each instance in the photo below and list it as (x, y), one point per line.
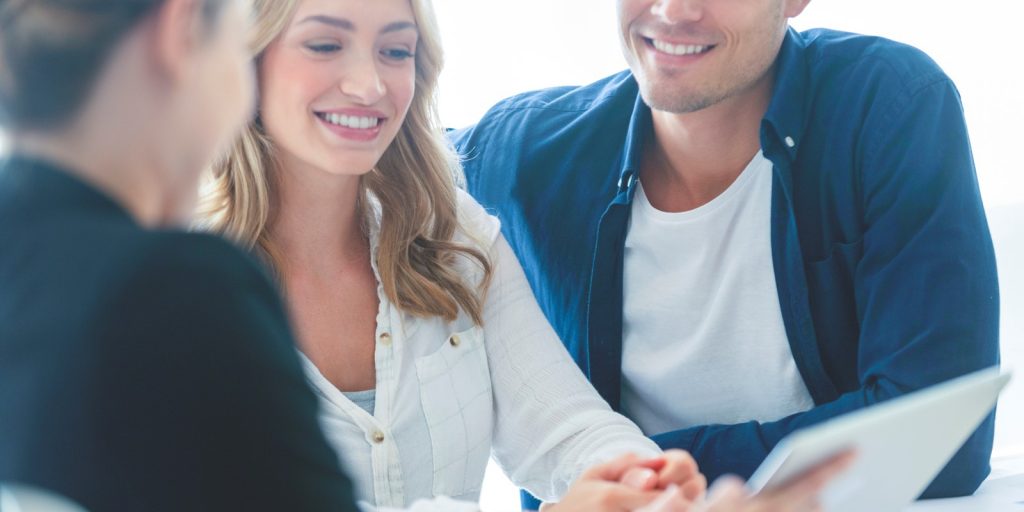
(674, 102)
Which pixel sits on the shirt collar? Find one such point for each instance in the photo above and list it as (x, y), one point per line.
(782, 128)
(639, 130)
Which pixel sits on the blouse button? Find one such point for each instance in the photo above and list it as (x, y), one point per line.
(385, 339)
(378, 437)
(454, 340)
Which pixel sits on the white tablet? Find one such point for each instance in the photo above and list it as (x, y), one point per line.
(901, 444)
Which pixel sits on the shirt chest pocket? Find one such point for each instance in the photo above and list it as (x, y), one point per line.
(455, 391)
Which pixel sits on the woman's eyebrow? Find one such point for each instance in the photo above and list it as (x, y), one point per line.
(345, 24)
(341, 23)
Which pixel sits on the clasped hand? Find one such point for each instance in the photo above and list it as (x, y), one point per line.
(673, 483)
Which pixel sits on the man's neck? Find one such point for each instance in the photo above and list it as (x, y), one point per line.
(693, 157)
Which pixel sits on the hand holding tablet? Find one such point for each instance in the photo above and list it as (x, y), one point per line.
(901, 444)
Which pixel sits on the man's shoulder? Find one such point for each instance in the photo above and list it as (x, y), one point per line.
(834, 56)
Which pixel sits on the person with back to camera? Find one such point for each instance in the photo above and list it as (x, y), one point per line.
(142, 367)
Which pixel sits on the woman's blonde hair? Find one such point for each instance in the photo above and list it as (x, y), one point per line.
(414, 182)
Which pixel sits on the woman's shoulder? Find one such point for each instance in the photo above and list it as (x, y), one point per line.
(476, 224)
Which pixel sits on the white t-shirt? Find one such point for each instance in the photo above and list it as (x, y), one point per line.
(703, 335)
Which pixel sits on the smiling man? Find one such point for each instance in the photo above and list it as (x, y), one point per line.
(752, 230)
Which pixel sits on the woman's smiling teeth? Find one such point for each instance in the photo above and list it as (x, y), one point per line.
(679, 49)
(354, 122)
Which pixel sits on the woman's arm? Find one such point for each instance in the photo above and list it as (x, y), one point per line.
(550, 424)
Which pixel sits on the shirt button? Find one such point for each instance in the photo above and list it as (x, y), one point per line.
(790, 142)
(385, 339)
(454, 340)
(378, 437)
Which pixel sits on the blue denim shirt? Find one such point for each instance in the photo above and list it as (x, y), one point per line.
(884, 263)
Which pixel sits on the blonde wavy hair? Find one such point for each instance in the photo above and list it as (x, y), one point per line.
(414, 182)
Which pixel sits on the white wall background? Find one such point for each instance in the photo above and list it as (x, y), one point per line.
(497, 48)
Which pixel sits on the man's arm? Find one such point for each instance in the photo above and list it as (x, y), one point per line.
(925, 285)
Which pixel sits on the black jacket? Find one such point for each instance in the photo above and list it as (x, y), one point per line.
(146, 370)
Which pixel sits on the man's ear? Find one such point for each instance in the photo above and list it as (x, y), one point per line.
(176, 34)
(795, 7)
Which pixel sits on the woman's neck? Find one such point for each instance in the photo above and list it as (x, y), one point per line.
(318, 221)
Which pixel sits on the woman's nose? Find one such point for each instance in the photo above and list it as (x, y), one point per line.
(362, 81)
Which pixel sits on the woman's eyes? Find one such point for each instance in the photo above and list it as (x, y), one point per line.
(328, 48)
(323, 48)
(397, 54)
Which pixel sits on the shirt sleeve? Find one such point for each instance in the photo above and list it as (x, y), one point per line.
(550, 423)
(205, 405)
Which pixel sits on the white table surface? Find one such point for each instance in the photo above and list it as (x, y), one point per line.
(1003, 491)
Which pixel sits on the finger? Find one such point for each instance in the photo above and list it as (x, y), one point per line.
(679, 467)
(613, 470)
(621, 497)
(694, 488)
(670, 500)
(813, 481)
(655, 463)
(728, 484)
(728, 494)
(803, 493)
(641, 478)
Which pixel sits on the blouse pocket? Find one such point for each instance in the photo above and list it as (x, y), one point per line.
(455, 391)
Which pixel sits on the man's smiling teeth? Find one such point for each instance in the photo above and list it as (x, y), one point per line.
(680, 49)
(358, 123)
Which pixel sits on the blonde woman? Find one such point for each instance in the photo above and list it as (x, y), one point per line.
(419, 331)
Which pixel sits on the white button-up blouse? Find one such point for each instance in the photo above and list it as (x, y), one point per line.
(449, 395)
